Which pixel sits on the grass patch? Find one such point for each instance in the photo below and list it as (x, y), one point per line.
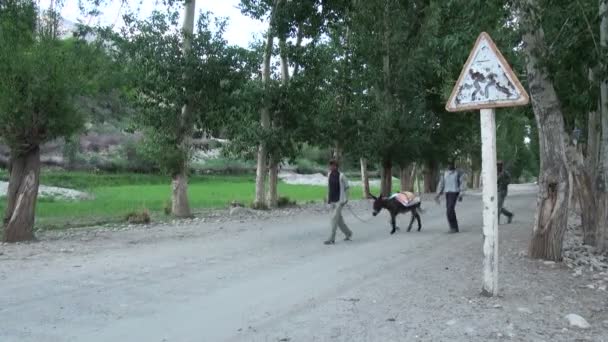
(118, 195)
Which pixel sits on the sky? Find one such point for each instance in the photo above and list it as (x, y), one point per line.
(241, 29)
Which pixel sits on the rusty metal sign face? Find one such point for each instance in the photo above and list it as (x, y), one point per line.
(486, 81)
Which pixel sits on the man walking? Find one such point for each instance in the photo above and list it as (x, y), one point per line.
(337, 198)
(503, 180)
(452, 184)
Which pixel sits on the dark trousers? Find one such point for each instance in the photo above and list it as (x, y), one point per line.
(450, 201)
(502, 195)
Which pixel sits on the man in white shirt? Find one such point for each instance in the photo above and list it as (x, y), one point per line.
(451, 183)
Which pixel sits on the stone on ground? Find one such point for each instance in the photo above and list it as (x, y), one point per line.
(577, 321)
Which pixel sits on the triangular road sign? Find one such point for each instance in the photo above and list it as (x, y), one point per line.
(486, 81)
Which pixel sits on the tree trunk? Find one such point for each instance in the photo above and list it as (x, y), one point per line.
(413, 176)
(430, 176)
(594, 133)
(602, 197)
(337, 153)
(584, 175)
(584, 193)
(364, 179)
(552, 202)
(299, 37)
(179, 195)
(470, 180)
(386, 58)
(273, 181)
(476, 179)
(406, 176)
(21, 197)
(260, 177)
(386, 180)
(274, 159)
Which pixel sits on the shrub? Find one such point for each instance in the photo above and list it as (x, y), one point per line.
(167, 208)
(135, 157)
(71, 153)
(284, 202)
(139, 217)
(307, 167)
(316, 155)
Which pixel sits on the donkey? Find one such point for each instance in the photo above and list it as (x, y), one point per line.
(395, 208)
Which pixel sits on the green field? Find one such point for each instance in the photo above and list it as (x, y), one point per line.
(116, 195)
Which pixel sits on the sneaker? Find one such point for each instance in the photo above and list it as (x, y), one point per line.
(453, 231)
(329, 242)
(510, 219)
(348, 238)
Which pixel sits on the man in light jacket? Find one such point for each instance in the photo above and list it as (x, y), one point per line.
(451, 183)
(337, 198)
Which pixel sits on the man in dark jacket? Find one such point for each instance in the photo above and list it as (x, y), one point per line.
(503, 180)
(337, 198)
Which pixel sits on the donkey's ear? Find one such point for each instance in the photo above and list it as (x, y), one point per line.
(373, 197)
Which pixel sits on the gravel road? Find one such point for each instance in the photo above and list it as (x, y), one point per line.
(272, 279)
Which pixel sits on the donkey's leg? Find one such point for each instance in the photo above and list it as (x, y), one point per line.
(418, 219)
(412, 220)
(393, 223)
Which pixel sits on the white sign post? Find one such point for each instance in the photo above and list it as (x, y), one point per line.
(487, 82)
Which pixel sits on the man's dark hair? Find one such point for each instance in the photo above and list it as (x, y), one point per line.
(333, 162)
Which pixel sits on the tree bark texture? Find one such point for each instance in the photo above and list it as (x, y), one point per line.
(337, 152)
(273, 181)
(406, 176)
(594, 133)
(584, 194)
(274, 158)
(552, 202)
(431, 173)
(364, 178)
(386, 181)
(602, 184)
(179, 196)
(476, 179)
(21, 196)
(261, 170)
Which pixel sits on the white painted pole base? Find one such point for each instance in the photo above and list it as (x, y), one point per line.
(490, 203)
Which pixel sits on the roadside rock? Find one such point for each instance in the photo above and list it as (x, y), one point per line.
(577, 321)
(524, 310)
(240, 211)
(585, 261)
(54, 192)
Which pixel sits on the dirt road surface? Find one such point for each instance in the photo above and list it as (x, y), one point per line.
(274, 280)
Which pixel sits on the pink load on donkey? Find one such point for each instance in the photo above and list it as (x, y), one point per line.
(406, 198)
